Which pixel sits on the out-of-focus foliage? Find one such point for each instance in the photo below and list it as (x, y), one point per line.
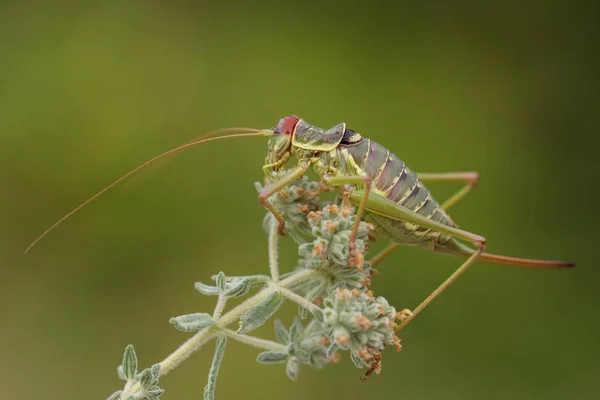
(89, 90)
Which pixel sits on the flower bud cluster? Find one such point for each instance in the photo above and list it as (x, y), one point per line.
(304, 346)
(294, 202)
(346, 315)
(358, 322)
(330, 251)
(351, 321)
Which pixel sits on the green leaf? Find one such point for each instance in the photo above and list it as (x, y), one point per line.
(155, 370)
(220, 282)
(293, 333)
(303, 311)
(238, 287)
(258, 280)
(206, 289)
(291, 349)
(146, 379)
(192, 322)
(154, 392)
(281, 333)
(315, 291)
(257, 315)
(129, 363)
(209, 389)
(317, 313)
(298, 327)
(303, 356)
(121, 373)
(271, 357)
(292, 368)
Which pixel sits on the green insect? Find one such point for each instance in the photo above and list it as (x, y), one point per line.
(384, 189)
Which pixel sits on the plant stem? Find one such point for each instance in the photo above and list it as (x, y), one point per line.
(256, 342)
(192, 345)
(295, 298)
(221, 301)
(292, 280)
(199, 339)
(209, 390)
(273, 261)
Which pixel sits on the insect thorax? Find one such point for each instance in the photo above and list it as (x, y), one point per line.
(326, 163)
(338, 162)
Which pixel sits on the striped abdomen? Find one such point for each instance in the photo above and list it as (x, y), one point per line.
(393, 179)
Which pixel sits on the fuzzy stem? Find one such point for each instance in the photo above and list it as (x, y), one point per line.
(192, 345)
(273, 261)
(256, 342)
(209, 389)
(195, 342)
(222, 300)
(292, 280)
(296, 298)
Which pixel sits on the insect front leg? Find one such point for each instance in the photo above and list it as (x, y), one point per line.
(273, 188)
(269, 167)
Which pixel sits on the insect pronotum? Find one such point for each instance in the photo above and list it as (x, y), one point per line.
(384, 189)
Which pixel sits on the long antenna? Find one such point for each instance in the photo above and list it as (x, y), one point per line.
(164, 160)
(252, 132)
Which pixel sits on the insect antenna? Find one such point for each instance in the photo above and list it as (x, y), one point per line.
(151, 169)
(246, 133)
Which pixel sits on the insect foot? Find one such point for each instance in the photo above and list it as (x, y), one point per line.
(404, 318)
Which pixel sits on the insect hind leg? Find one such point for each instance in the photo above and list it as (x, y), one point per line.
(471, 179)
(387, 208)
(409, 316)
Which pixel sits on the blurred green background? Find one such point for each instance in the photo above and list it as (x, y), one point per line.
(89, 91)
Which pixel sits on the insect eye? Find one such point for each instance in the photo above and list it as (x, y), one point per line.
(286, 125)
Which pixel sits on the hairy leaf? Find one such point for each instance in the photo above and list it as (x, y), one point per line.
(192, 322)
(257, 315)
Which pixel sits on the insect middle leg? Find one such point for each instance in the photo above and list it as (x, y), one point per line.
(469, 178)
(353, 180)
